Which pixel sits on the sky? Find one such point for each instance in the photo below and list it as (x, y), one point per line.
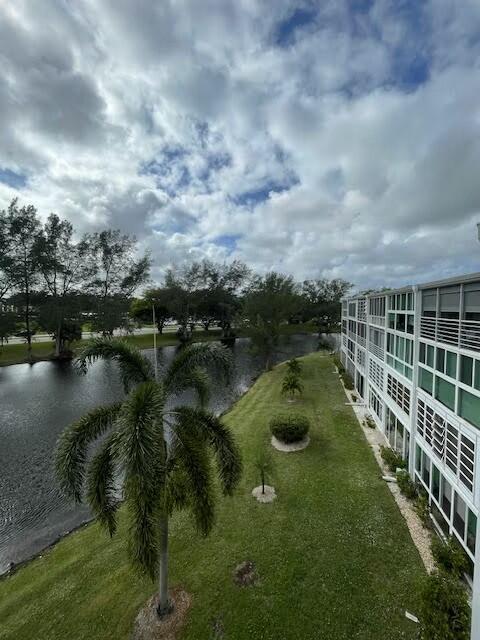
(338, 138)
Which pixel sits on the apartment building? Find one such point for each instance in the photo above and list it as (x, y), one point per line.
(414, 356)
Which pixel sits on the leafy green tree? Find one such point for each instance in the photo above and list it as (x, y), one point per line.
(117, 274)
(64, 268)
(163, 299)
(322, 302)
(164, 454)
(291, 385)
(269, 301)
(19, 230)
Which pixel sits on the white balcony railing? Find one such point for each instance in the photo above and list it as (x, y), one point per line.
(463, 334)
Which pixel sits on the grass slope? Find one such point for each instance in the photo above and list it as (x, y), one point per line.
(333, 553)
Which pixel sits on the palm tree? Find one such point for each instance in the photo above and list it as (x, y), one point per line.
(163, 456)
(291, 385)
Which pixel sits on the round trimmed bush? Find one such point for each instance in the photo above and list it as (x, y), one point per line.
(289, 428)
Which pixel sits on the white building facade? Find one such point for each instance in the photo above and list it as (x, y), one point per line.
(414, 356)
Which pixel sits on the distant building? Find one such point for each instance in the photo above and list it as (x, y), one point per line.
(414, 355)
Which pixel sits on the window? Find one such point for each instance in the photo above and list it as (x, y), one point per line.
(469, 407)
(430, 355)
(455, 449)
(377, 306)
(351, 309)
(425, 380)
(410, 323)
(421, 353)
(440, 366)
(375, 373)
(446, 498)
(391, 321)
(426, 469)
(471, 531)
(418, 458)
(401, 322)
(466, 370)
(459, 515)
(376, 404)
(450, 302)
(445, 392)
(435, 483)
(399, 393)
(451, 368)
(471, 301)
(429, 303)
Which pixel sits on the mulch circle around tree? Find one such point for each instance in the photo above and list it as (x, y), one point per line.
(148, 626)
(288, 447)
(245, 574)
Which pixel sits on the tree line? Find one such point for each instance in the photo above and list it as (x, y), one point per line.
(55, 280)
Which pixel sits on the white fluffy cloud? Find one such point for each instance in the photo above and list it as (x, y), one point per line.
(323, 139)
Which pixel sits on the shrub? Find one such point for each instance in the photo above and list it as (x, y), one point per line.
(406, 484)
(444, 611)
(449, 556)
(291, 385)
(370, 422)
(392, 459)
(423, 510)
(347, 380)
(294, 366)
(290, 427)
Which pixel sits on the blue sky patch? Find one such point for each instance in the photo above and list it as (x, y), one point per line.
(13, 179)
(299, 18)
(229, 241)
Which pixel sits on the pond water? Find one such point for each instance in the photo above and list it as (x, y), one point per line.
(37, 402)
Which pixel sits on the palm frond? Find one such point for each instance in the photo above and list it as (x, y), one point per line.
(141, 449)
(101, 493)
(191, 455)
(134, 368)
(196, 379)
(71, 450)
(177, 489)
(205, 356)
(220, 438)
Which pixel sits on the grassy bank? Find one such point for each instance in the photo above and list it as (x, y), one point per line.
(333, 553)
(17, 353)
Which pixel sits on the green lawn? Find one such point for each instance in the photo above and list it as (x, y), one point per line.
(333, 552)
(17, 353)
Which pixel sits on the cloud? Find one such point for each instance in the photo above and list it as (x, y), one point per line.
(332, 139)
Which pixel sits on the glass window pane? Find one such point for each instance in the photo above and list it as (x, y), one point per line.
(459, 515)
(471, 531)
(446, 497)
(445, 392)
(451, 369)
(435, 482)
(426, 469)
(440, 360)
(391, 321)
(466, 370)
(404, 301)
(425, 380)
(400, 322)
(418, 458)
(430, 355)
(469, 407)
(421, 354)
(410, 324)
(476, 377)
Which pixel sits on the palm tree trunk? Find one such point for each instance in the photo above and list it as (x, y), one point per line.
(164, 605)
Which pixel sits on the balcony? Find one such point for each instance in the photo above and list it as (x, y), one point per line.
(463, 334)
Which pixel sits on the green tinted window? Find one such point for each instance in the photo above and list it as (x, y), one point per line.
(445, 392)
(430, 355)
(391, 321)
(451, 369)
(425, 380)
(435, 482)
(466, 370)
(421, 353)
(440, 360)
(469, 407)
(476, 377)
(418, 458)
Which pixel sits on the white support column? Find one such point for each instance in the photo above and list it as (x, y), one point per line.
(475, 634)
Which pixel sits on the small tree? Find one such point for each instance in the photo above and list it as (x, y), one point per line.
(291, 385)
(294, 366)
(264, 465)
